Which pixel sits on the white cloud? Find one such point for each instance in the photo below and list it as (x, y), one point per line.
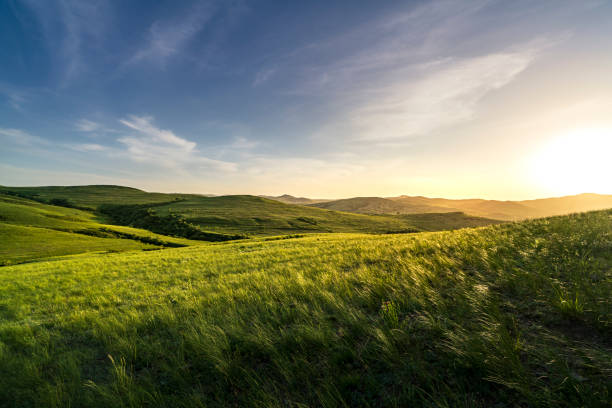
(85, 125)
(162, 147)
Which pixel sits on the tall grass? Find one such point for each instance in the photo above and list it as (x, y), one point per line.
(508, 315)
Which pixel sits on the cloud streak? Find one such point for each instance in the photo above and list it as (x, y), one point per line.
(167, 38)
(162, 147)
(445, 93)
(71, 28)
(263, 76)
(21, 138)
(85, 125)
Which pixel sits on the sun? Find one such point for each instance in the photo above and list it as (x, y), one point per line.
(578, 161)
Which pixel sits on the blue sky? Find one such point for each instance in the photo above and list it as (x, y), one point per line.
(323, 99)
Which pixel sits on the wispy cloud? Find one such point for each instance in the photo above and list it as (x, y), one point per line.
(143, 124)
(88, 147)
(162, 147)
(446, 93)
(263, 75)
(409, 76)
(166, 38)
(21, 138)
(70, 29)
(86, 125)
(16, 100)
(243, 143)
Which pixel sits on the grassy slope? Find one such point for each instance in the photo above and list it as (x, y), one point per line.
(30, 230)
(517, 314)
(23, 244)
(446, 221)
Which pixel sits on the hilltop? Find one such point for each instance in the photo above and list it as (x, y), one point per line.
(289, 199)
(515, 314)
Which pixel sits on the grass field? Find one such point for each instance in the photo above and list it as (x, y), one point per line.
(507, 315)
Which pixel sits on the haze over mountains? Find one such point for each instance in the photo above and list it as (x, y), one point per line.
(289, 199)
(500, 210)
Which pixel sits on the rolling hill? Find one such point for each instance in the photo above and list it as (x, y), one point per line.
(236, 214)
(289, 199)
(517, 314)
(500, 210)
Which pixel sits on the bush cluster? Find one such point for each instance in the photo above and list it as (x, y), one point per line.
(143, 216)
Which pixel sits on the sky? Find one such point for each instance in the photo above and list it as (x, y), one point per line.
(479, 98)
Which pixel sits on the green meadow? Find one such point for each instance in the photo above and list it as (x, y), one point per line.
(515, 314)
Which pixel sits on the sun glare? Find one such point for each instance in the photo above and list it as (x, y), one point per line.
(576, 162)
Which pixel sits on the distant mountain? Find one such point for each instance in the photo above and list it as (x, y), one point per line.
(500, 210)
(289, 199)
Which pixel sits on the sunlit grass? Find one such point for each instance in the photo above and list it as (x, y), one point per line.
(466, 318)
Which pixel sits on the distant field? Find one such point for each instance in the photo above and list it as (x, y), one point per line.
(515, 314)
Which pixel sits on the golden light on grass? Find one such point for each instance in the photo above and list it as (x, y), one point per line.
(575, 162)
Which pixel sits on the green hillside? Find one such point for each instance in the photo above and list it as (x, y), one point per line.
(507, 315)
(236, 214)
(30, 230)
(21, 244)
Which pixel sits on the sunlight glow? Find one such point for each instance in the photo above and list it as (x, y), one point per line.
(575, 162)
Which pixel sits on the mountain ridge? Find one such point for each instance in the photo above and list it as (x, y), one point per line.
(507, 210)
